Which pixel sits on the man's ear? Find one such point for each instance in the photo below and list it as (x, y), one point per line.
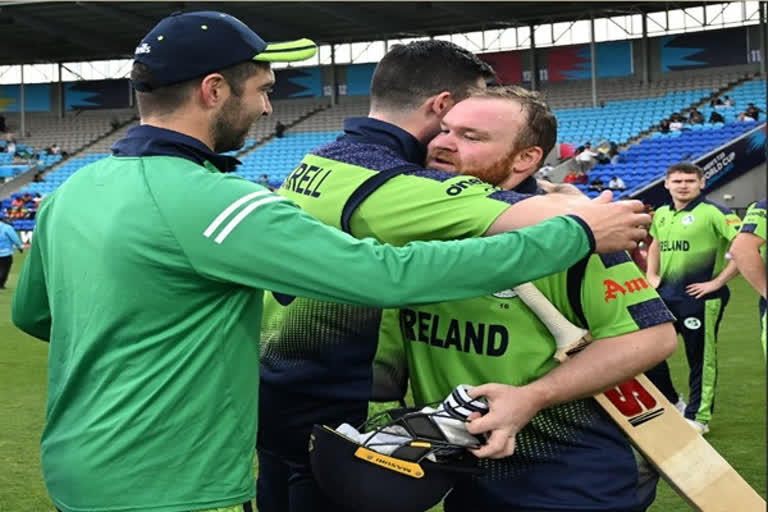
(214, 90)
(527, 160)
(441, 103)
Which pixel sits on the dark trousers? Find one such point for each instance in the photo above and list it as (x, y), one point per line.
(285, 482)
(698, 322)
(472, 498)
(5, 269)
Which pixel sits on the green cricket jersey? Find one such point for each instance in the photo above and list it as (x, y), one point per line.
(496, 338)
(754, 222)
(146, 274)
(692, 242)
(367, 182)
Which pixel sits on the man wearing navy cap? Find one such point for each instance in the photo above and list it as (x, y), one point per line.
(153, 319)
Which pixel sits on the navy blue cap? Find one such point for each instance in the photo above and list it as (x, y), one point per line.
(187, 45)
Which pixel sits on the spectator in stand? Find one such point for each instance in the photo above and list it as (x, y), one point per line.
(3, 127)
(746, 117)
(716, 102)
(11, 147)
(586, 158)
(602, 152)
(695, 117)
(617, 183)
(280, 129)
(19, 213)
(716, 117)
(597, 185)
(17, 202)
(263, 181)
(677, 122)
(727, 101)
(613, 153)
(664, 126)
(753, 111)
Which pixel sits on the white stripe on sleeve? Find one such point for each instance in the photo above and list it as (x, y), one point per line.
(231, 208)
(244, 213)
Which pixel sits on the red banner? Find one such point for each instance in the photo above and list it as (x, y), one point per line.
(508, 66)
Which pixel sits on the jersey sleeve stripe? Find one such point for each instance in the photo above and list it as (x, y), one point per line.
(614, 258)
(649, 313)
(243, 214)
(231, 208)
(748, 228)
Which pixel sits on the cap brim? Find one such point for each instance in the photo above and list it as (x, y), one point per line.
(288, 51)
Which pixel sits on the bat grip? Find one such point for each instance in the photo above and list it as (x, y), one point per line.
(568, 337)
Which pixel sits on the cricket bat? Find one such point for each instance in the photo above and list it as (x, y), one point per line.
(682, 456)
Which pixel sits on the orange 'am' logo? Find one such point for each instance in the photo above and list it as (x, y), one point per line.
(631, 286)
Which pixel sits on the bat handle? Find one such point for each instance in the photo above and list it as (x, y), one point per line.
(568, 337)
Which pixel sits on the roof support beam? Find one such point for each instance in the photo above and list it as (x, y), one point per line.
(69, 35)
(384, 26)
(135, 20)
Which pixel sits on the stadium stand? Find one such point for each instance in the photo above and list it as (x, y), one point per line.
(278, 158)
(59, 175)
(578, 94)
(630, 107)
(288, 112)
(619, 121)
(312, 123)
(628, 114)
(748, 92)
(648, 160)
(72, 132)
(332, 119)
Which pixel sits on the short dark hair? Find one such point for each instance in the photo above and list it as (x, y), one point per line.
(686, 168)
(409, 74)
(541, 126)
(165, 100)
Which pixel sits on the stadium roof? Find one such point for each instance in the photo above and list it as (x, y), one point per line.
(32, 32)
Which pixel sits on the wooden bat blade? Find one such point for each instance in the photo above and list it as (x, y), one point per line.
(569, 338)
(682, 456)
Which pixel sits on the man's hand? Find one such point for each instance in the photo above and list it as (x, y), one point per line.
(510, 409)
(698, 290)
(616, 226)
(559, 188)
(653, 279)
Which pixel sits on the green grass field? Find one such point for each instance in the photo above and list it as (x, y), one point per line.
(738, 427)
